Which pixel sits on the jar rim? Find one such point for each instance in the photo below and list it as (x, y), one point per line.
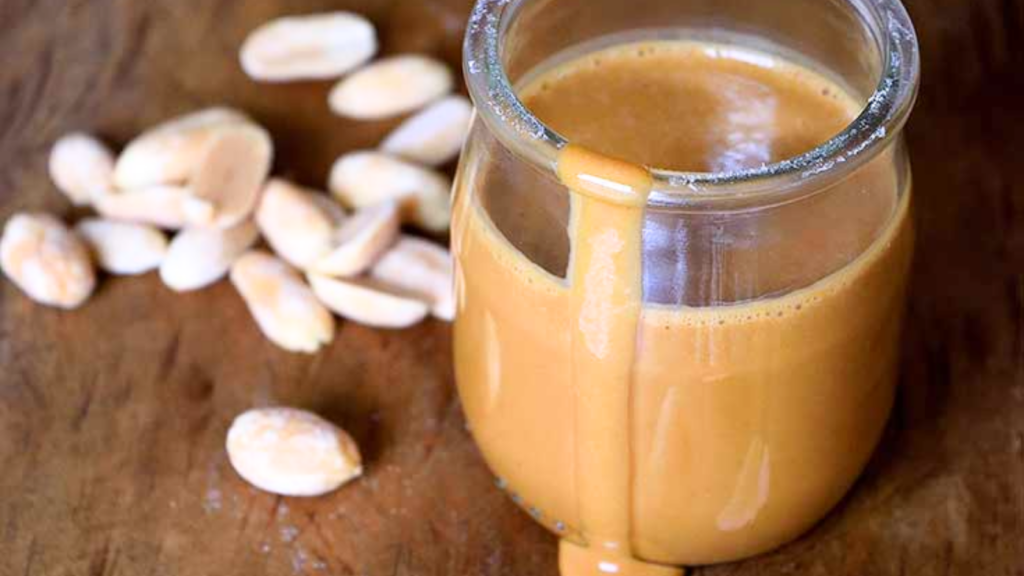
(871, 132)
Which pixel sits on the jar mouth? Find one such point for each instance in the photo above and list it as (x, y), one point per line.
(883, 116)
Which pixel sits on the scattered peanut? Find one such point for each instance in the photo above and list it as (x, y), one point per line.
(170, 207)
(330, 207)
(298, 227)
(285, 308)
(47, 261)
(361, 179)
(361, 241)
(82, 167)
(232, 172)
(292, 452)
(390, 87)
(198, 257)
(309, 47)
(205, 173)
(434, 136)
(170, 152)
(368, 302)
(421, 268)
(123, 248)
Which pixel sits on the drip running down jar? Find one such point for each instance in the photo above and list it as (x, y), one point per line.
(682, 234)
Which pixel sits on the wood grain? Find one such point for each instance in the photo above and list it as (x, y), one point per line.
(112, 418)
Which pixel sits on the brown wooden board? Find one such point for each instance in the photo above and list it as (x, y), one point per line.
(112, 418)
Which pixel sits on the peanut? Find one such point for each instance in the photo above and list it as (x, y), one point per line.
(361, 179)
(123, 248)
(48, 262)
(421, 268)
(198, 257)
(390, 87)
(434, 136)
(317, 46)
(169, 207)
(170, 152)
(369, 303)
(232, 171)
(82, 167)
(296, 225)
(292, 452)
(361, 240)
(284, 307)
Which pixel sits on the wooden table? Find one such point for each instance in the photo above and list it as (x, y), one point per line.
(112, 418)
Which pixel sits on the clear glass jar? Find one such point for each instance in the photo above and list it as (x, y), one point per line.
(720, 389)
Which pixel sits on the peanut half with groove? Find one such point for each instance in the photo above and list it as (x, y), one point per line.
(232, 172)
(82, 167)
(292, 452)
(284, 307)
(390, 87)
(198, 257)
(310, 47)
(298, 226)
(361, 240)
(421, 268)
(361, 179)
(369, 302)
(123, 248)
(171, 152)
(48, 262)
(434, 136)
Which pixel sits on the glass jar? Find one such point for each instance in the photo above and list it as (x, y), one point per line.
(664, 367)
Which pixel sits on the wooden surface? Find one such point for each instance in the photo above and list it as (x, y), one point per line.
(112, 418)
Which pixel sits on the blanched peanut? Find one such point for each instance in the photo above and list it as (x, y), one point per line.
(123, 248)
(435, 135)
(170, 152)
(308, 47)
(295, 224)
(330, 207)
(361, 241)
(82, 167)
(421, 268)
(169, 207)
(390, 87)
(231, 174)
(361, 179)
(285, 308)
(198, 257)
(292, 452)
(46, 260)
(368, 302)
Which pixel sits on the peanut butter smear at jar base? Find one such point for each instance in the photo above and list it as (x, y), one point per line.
(682, 234)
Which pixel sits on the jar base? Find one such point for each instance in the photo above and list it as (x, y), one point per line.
(575, 560)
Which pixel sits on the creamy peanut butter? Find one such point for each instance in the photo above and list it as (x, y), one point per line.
(654, 394)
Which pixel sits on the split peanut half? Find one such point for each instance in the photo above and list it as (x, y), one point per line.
(169, 207)
(434, 136)
(310, 47)
(362, 179)
(82, 167)
(171, 152)
(232, 171)
(46, 260)
(123, 248)
(361, 241)
(285, 308)
(198, 257)
(390, 87)
(421, 268)
(296, 222)
(368, 302)
(292, 452)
